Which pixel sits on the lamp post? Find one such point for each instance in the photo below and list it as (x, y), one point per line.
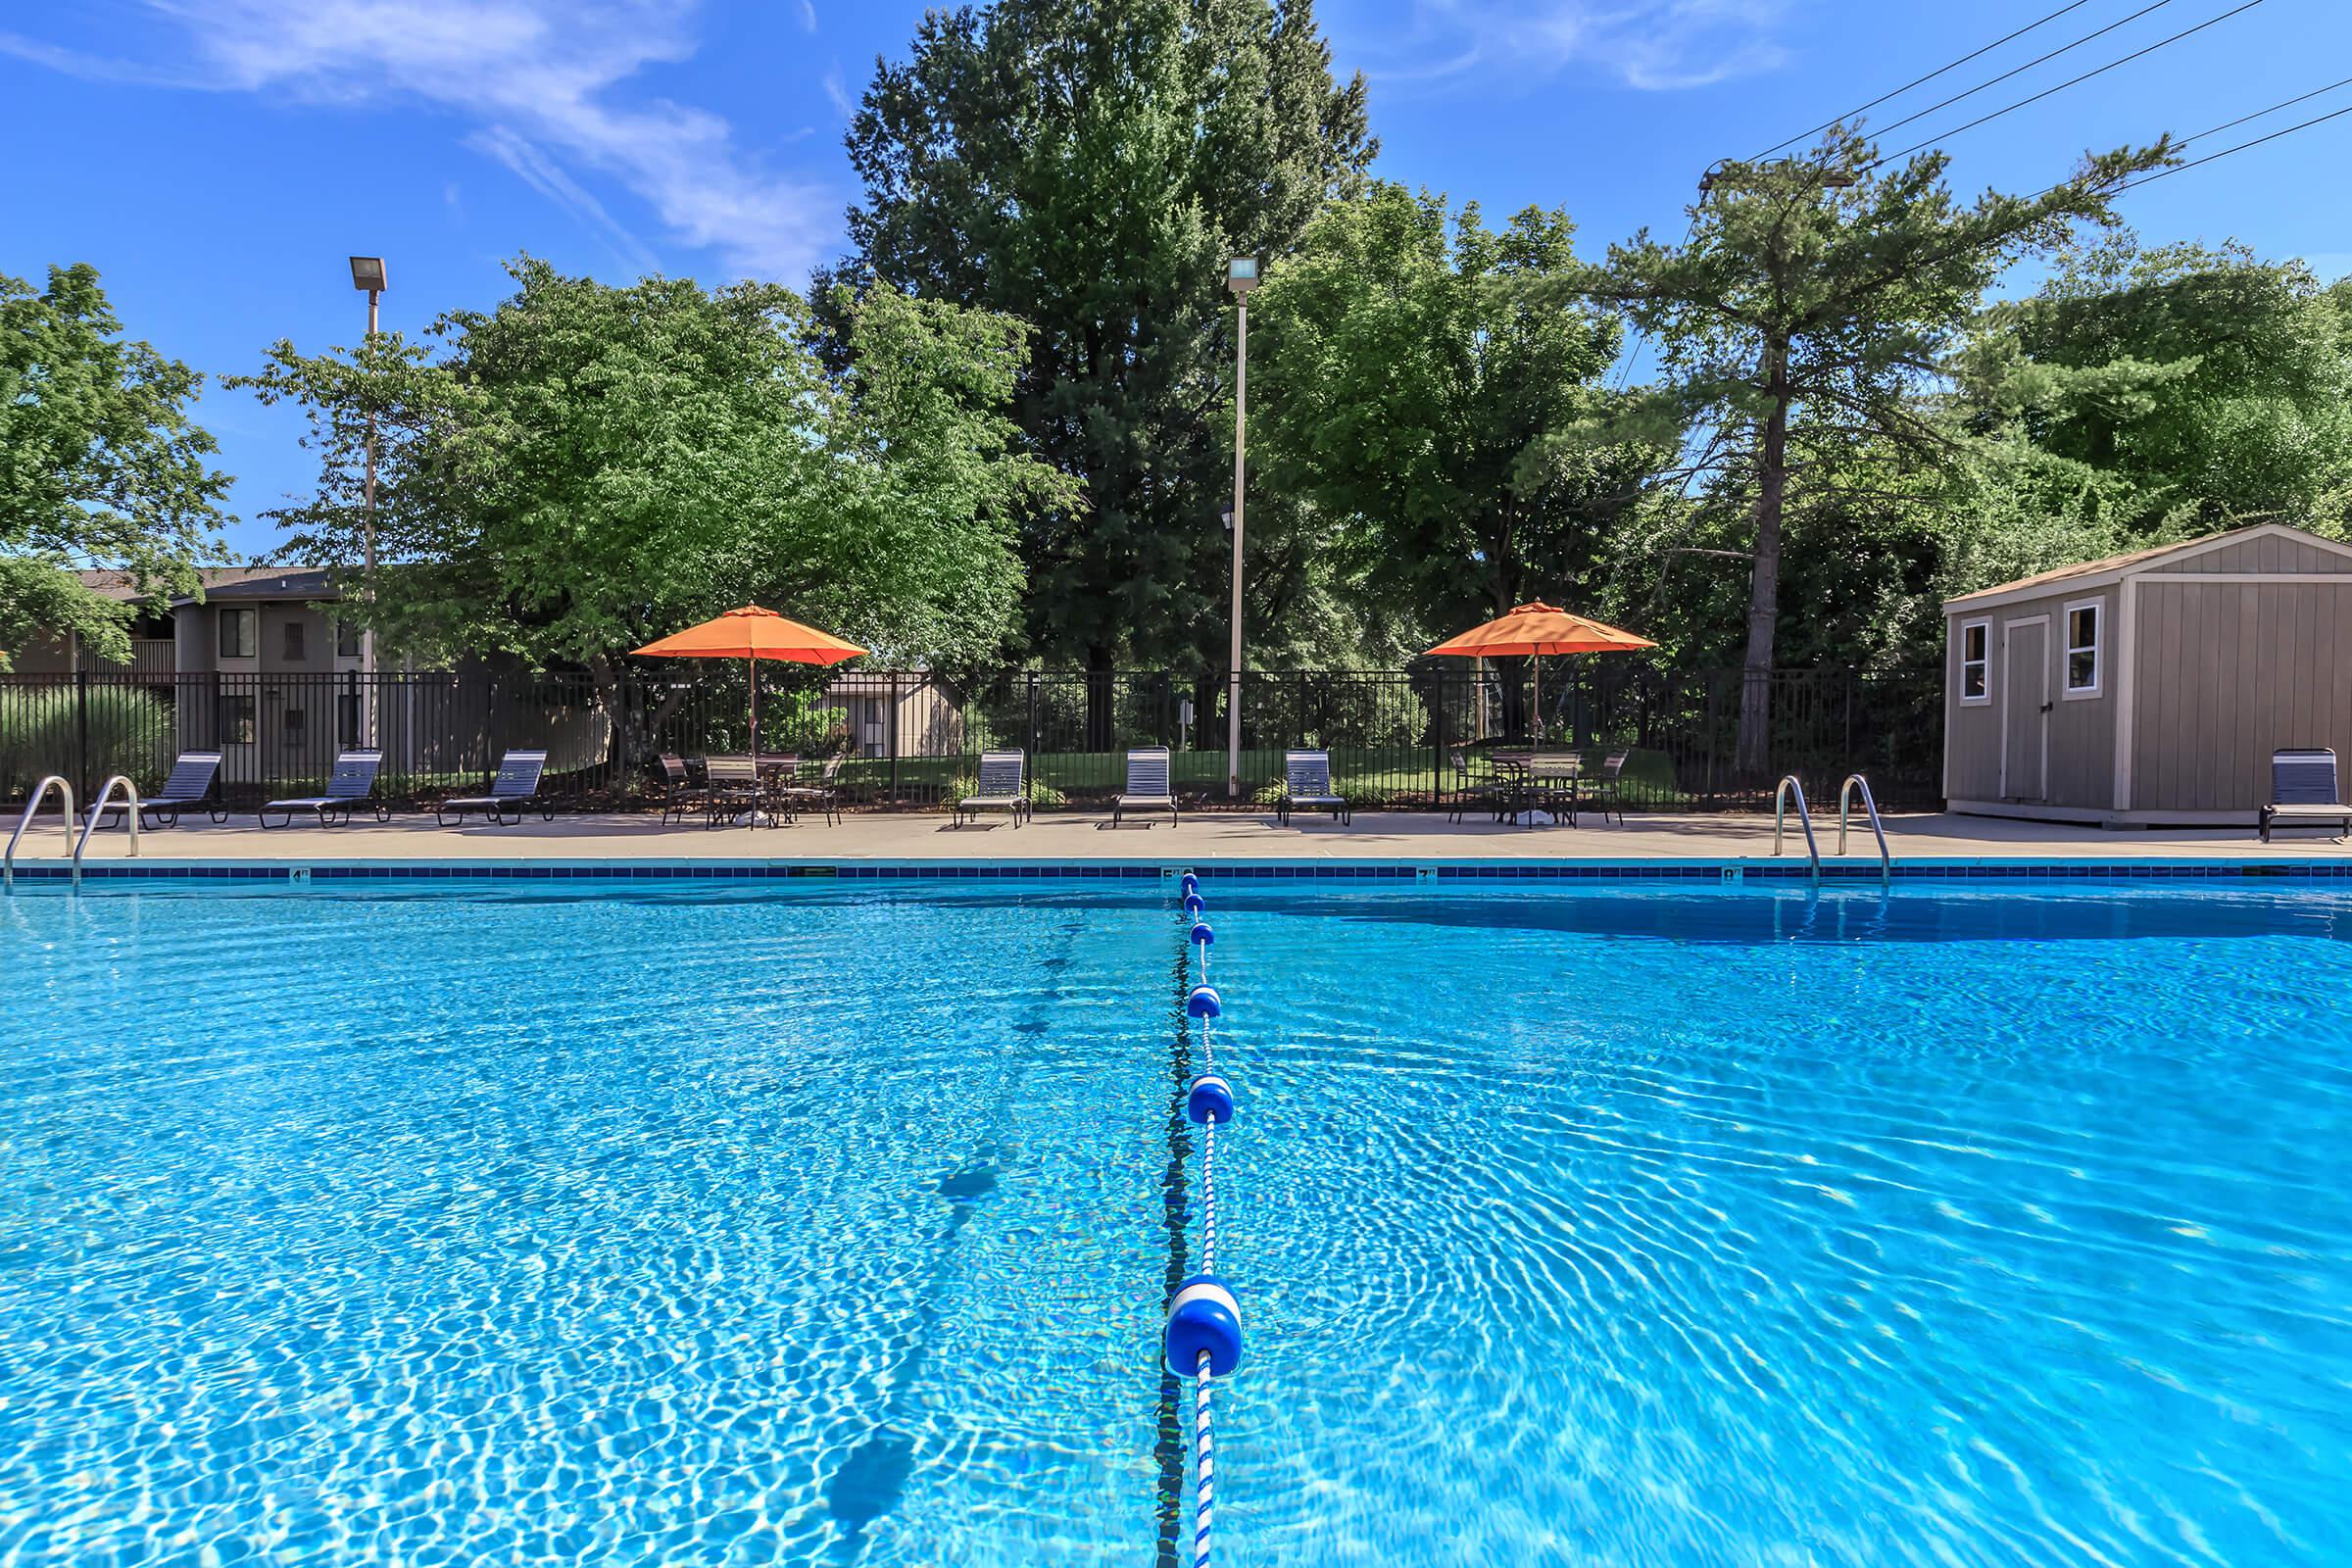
(1240, 276)
(367, 275)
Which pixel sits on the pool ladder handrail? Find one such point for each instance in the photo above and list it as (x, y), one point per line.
(40, 792)
(1854, 781)
(1779, 803)
(131, 815)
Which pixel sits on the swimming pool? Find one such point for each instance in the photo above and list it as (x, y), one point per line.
(698, 1223)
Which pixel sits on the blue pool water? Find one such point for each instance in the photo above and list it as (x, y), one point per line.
(697, 1224)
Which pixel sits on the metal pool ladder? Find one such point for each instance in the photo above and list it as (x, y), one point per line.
(1779, 802)
(40, 792)
(1853, 783)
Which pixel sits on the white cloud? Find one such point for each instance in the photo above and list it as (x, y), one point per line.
(546, 84)
(838, 90)
(807, 13)
(1655, 45)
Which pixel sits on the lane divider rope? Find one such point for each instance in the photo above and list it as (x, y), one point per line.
(1203, 1336)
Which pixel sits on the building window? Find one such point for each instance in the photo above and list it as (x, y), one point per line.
(239, 636)
(236, 719)
(347, 720)
(297, 728)
(347, 640)
(2083, 658)
(1976, 638)
(295, 650)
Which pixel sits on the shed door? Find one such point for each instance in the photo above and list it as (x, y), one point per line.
(2026, 703)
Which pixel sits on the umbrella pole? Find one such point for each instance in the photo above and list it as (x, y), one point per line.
(1537, 659)
(753, 665)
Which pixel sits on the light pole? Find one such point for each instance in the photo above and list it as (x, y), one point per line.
(1240, 276)
(368, 273)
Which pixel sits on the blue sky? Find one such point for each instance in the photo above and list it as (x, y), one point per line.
(218, 160)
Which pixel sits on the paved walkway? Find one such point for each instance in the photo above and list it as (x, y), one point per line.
(1202, 837)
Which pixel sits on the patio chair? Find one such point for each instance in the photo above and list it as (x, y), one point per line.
(194, 784)
(1486, 794)
(1554, 784)
(823, 791)
(736, 788)
(1002, 789)
(2304, 793)
(1609, 792)
(516, 790)
(350, 788)
(1147, 786)
(1306, 787)
(680, 794)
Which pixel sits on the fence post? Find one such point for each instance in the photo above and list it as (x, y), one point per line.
(81, 730)
(1032, 751)
(1436, 750)
(894, 739)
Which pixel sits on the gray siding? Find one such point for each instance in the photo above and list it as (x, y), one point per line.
(2230, 672)
(2081, 747)
(2272, 554)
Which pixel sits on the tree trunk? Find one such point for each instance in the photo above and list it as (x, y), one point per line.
(1102, 702)
(1754, 749)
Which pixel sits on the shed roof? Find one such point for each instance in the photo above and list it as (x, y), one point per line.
(2130, 563)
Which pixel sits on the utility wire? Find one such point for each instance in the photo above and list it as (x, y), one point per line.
(2176, 169)
(2075, 4)
(2028, 65)
(2214, 130)
(1889, 158)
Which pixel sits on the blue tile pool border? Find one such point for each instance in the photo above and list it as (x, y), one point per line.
(1723, 870)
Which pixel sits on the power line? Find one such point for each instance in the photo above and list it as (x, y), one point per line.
(1889, 158)
(2176, 169)
(2284, 103)
(1915, 81)
(1996, 82)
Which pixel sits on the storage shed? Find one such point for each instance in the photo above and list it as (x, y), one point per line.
(2151, 688)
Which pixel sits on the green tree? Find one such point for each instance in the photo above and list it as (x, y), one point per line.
(1808, 311)
(100, 464)
(1091, 168)
(1411, 397)
(2203, 388)
(587, 468)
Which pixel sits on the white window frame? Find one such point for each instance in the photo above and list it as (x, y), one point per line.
(2068, 691)
(1983, 699)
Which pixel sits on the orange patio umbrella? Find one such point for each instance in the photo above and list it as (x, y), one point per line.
(753, 633)
(1536, 630)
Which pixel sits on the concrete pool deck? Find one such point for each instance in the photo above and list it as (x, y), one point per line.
(1203, 837)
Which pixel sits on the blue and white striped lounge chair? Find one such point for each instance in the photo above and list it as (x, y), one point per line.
(2304, 793)
(350, 788)
(1306, 787)
(516, 790)
(1001, 790)
(194, 785)
(1147, 786)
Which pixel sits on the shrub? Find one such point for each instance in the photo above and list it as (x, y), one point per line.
(130, 729)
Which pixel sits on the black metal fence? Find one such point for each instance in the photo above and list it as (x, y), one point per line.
(913, 738)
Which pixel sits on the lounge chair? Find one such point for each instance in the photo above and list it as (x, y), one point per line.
(1002, 789)
(348, 789)
(194, 785)
(1147, 786)
(2304, 793)
(1306, 787)
(516, 790)
(823, 793)
(680, 794)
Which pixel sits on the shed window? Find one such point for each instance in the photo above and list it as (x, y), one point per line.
(2082, 649)
(236, 719)
(296, 650)
(1974, 638)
